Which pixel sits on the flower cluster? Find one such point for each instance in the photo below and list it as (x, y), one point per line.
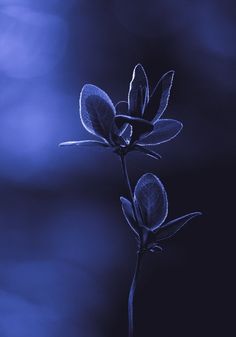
(130, 125)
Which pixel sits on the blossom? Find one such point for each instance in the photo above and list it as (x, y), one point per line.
(143, 108)
(147, 212)
(132, 125)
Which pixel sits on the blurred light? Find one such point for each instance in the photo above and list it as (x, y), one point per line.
(83, 232)
(21, 317)
(213, 30)
(42, 4)
(31, 43)
(58, 292)
(202, 23)
(31, 122)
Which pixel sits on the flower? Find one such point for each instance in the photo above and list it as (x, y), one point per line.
(147, 213)
(145, 109)
(128, 126)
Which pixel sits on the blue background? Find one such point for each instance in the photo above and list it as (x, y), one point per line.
(66, 253)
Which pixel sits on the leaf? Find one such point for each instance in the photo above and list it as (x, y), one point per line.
(121, 109)
(164, 130)
(84, 143)
(127, 133)
(115, 134)
(136, 122)
(139, 125)
(151, 198)
(160, 97)
(138, 92)
(148, 152)
(96, 111)
(172, 227)
(129, 215)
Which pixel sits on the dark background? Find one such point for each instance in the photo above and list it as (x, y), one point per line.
(66, 253)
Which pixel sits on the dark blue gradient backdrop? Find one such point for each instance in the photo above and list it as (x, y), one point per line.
(66, 253)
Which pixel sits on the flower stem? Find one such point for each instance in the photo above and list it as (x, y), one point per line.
(139, 255)
(126, 176)
(132, 293)
(127, 180)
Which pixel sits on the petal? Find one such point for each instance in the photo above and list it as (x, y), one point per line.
(151, 198)
(160, 97)
(96, 111)
(164, 130)
(134, 121)
(170, 228)
(84, 143)
(129, 215)
(121, 109)
(127, 133)
(138, 92)
(115, 134)
(139, 125)
(148, 152)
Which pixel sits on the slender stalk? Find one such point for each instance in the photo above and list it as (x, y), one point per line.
(126, 176)
(139, 255)
(132, 293)
(127, 180)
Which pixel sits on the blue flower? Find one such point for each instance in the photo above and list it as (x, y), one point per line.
(147, 214)
(143, 109)
(128, 126)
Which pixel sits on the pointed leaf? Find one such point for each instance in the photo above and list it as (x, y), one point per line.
(160, 97)
(115, 134)
(121, 109)
(139, 125)
(127, 133)
(151, 198)
(138, 92)
(129, 215)
(134, 121)
(164, 130)
(172, 227)
(148, 152)
(96, 111)
(84, 143)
